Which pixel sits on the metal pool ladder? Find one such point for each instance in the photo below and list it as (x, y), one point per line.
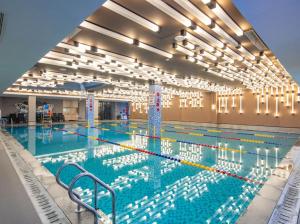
(76, 197)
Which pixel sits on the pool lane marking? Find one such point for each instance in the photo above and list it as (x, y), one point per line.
(191, 143)
(216, 136)
(231, 132)
(171, 140)
(185, 162)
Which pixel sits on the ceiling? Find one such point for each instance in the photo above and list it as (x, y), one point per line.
(219, 58)
(32, 28)
(277, 22)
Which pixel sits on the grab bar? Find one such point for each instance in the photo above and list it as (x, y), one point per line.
(88, 207)
(57, 177)
(77, 198)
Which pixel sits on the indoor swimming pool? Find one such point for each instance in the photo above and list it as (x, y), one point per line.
(191, 174)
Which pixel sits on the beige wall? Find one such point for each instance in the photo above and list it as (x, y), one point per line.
(249, 117)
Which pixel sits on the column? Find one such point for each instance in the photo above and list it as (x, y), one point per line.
(90, 109)
(82, 110)
(96, 110)
(32, 140)
(32, 110)
(154, 121)
(154, 112)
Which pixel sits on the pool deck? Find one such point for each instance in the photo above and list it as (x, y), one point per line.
(15, 204)
(259, 210)
(59, 205)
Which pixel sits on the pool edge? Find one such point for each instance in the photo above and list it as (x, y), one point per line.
(57, 195)
(266, 200)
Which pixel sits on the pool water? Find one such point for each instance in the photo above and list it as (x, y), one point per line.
(206, 175)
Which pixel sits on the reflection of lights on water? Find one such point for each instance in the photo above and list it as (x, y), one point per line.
(241, 148)
(121, 161)
(191, 153)
(80, 156)
(234, 206)
(104, 150)
(153, 209)
(276, 156)
(73, 157)
(166, 147)
(257, 156)
(267, 165)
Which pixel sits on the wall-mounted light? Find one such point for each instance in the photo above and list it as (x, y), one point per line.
(226, 104)
(219, 103)
(293, 99)
(282, 94)
(298, 94)
(287, 97)
(233, 101)
(267, 100)
(262, 96)
(241, 103)
(272, 91)
(276, 102)
(257, 104)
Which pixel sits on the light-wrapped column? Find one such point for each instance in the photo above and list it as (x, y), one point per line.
(154, 112)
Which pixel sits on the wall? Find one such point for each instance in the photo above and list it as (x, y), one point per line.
(248, 117)
(58, 104)
(118, 108)
(175, 113)
(7, 104)
(70, 110)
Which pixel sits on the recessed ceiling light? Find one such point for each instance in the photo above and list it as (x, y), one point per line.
(179, 38)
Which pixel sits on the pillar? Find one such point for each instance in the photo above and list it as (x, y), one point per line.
(82, 110)
(90, 109)
(32, 110)
(32, 140)
(154, 121)
(96, 110)
(154, 112)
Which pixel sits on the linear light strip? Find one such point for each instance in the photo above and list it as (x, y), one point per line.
(91, 67)
(187, 5)
(197, 41)
(123, 38)
(208, 36)
(130, 15)
(171, 12)
(99, 29)
(190, 7)
(257, 104)
(217, 9)
(155, 50)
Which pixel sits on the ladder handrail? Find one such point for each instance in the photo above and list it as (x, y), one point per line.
(76, 197)
(85, 205)
(57, 176)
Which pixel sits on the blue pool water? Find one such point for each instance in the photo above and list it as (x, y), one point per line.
(152, 189)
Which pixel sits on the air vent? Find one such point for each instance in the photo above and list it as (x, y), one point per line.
(255, 40)
(1, 21)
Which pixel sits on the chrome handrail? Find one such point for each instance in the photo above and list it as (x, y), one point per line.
(85, 205)
(57, 177)
(76, 197)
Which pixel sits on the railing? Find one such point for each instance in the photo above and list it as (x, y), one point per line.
(76, 197)
(57, 177)
(88, 207)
